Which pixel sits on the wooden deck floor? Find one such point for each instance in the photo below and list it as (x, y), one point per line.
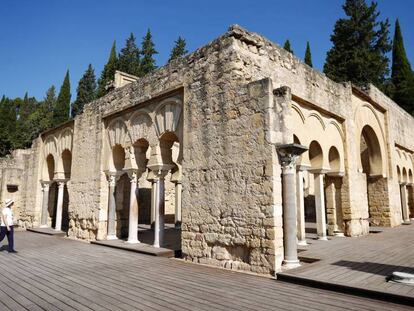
(51, 273)
(362, 262)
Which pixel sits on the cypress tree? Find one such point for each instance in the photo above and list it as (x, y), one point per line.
(147, 52)
(360, 44)
(108, 73)
(308, 55)
(287, 47)
(7, 125)
(129, 57)
(62, 107)
(179, 49)
(86, 91)
(402, 76)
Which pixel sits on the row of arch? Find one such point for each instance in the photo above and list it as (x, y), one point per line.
(405, 170)
(324, 139)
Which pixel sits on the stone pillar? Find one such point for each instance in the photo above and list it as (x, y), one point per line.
(59, 208)
(178, 190)
(153, 199)
(404, 205)
(159, 208)
(320, 206)
(111, 235)
(133, 209)
(288, 155)
(45, 204)
(300, 206)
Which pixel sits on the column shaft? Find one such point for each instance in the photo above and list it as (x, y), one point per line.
(300, 205)
(59, 208)
(178, 190)
(289, 217)
(404, 205)
(320, 207)
(133, 212)
(111, 209)
(153, 200)
(45, 205)
(159, 213)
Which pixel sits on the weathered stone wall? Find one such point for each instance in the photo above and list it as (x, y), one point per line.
(238, 92)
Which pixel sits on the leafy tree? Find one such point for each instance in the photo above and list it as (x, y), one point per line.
(7, 125)
(129, 57)
(287, 47)
(62, 107)
(308, 55)
(360, 46)
(402, 76)
(178, 50)
(86, 91)
(108, 72)
(147, 52)
(23, 135)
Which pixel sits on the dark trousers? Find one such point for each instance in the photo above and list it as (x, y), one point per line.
(10, 234)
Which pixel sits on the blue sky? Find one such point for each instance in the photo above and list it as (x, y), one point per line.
(41, 39)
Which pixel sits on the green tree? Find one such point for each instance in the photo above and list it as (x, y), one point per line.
(308, 55)
(62, 107)
(179, 49)
(360, 46)
(129, 57)
(22, 138)
(86, 91)
(287, 47)
(147, 52)
(7, 125)
(108, 73)
(402, 76)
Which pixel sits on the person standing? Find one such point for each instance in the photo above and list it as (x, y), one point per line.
(6, 226)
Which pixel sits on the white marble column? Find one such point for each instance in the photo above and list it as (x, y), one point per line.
(159, 208)
(45, 204)
(300, 206)
(111, 207)
(178, 191)
(59, 208)
(404, 203)
(320, 207)
(153, 199)
(133, 209)
(288, 155)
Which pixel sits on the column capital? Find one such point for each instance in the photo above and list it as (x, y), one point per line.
(288, 154)
(134, 174)
(112, 177)
(61, 182)
(45, 185)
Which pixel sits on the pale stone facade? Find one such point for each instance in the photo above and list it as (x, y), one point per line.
(208, 140)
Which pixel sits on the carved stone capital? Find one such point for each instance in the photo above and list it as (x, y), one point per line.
(288, 154)
(45, 185)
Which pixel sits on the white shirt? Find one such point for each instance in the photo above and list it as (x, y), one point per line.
(8, 215)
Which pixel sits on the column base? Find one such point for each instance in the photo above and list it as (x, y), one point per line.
(57, 229)
(290, 264)
(322, 238)
(406, 222)
(111, 237)
(339, 234)
(303, 243)
(156, 245)
(43, 226)
(133, 241)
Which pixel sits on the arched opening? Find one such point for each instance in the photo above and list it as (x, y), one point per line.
(334, 159)
(67, 167)
(67, 162)
(399, 174)
(404, 175)
(371, 158)
(118, 157)
(171, 155)
(141, 147)
(315, 155)
(122, 198)
(371, 162)
(50, 164)
(410, 193)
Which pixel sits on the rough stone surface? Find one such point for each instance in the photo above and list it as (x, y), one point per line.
(228, 104)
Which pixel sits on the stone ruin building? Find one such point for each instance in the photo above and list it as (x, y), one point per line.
(237, 143)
